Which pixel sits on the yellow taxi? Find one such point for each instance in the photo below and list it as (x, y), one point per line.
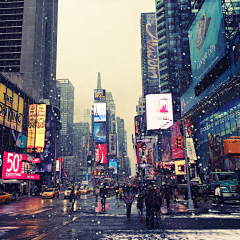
(51, 193)
(90, 189)
(77, 192)
(67, 193)
(5, 197)
(84, 190)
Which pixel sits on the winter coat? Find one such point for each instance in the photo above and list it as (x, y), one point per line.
(150, 197)
(128, 198)
(140, 202)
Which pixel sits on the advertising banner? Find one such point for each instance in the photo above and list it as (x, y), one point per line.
(89, 146)
(31, 125)
(165, 168)
(159, 111)
(112, 144)
(99, 112)
(101, 153)
(207, 39)
(180, 167)
(57, 165)
(14, 167)
(152, 51)
(113, 165)
(191, 150)
(147, 150)
(40, 126)
(166, 147)
(100, 132)
(11, 108)
(100, 94)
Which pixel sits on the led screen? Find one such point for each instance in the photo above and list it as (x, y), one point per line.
(101, 153)
(99, 112)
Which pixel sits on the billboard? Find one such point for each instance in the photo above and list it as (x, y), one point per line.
(100, 94)
(112, 144)
(113, 165)
(16, 166)
(207, 39)
(101, 153)
(100, 132)
(152, 51)
(99, 112)
(32, 111)
(40, 126)
(89, 146)
(147, 150)
(11, 108)
(180, 167)
(159, 111)
(166, 147)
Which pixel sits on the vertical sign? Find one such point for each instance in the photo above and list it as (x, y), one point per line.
(40, 126)
(112, 144)
(31, 125)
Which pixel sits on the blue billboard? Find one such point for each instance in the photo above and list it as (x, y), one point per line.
(100, 131)
(113, 165)
(207, 39)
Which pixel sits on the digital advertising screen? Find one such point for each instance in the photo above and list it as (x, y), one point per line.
(40, 126)
(99, 112)
(113, 165)
(100, 132)
(100, 94)
(112, 144)
(159, 111)
(207, 39)
(101, 153)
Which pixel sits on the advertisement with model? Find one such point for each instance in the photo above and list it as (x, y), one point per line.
(16, 166)
(159, 111)
(113, 165)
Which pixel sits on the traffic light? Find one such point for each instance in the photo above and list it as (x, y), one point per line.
(180, 142)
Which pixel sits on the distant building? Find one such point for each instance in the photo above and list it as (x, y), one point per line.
(28, 46)
(87, 116)
(67, 114)
(111, 113)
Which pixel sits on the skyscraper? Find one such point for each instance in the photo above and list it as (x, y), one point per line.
(67, 114)
(28, 42)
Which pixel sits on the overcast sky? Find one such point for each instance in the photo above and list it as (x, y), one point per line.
(102, 36)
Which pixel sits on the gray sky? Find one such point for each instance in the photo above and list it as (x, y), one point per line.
(102, 36)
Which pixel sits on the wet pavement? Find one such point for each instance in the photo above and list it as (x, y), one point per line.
(34, 218)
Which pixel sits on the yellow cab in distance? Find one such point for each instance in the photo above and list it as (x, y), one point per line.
(84, 190)
(51, 193)
(5, 197)
(67, 193)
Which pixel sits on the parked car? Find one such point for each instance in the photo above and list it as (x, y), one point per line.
(5, 197)
(51, 193)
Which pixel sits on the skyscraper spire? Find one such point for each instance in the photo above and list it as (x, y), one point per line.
(99, 81)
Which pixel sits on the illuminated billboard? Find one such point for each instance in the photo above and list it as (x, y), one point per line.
(152, 51)
(31, 125)
(99, 112)
(101, 153)
(40, 126)
(147, 150)
(159, 111)
(112, 144)
(16, 166)
(113, 165)
(180, 167)
(207, 39)
(100, 132)
(11, 108)
(100, 94)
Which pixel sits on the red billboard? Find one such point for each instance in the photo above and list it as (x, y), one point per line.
(101, 153)
(16, 166)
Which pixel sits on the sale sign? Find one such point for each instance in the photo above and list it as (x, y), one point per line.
(13, 167)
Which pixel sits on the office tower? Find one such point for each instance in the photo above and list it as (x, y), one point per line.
(149, 54)
(173, 48)
(28, 45)
(67, 114)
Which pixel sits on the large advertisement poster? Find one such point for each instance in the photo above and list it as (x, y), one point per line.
(40, 126)
(31, 125)
(11, 108)
(90, 146)
(207, 39)
(101, 153)
(113, 165)
(152, 51)
(147, 151)
(100, 94)
(112, 144)
(16, 166)
(166, 148)
(100, 132)
(159, 111)
(99, 112)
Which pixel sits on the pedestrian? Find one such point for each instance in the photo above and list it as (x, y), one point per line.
(150, 197)
(167, 194)
(72, 197)
(195, 193)
(103, 195)
(128, 199)
(116, 191)
(218, 194)
(158, 202)
(140, 206)
(97, 193)
(120, 190)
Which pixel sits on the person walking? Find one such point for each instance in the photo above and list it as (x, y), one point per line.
(218, 194)
(116, 191)
(150, 197)
(140, 206)
(128, 199)
(167, 194)
(72, 197)
(103, 195)
(120, 190)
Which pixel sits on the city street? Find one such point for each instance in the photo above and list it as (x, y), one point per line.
(34, 218)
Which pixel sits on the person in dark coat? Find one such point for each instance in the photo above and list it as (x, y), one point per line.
(128, 199)
(167, 194)
(103, 195)
(150, 196)
(140, 206)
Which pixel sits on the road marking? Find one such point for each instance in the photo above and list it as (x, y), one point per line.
(43, 210)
